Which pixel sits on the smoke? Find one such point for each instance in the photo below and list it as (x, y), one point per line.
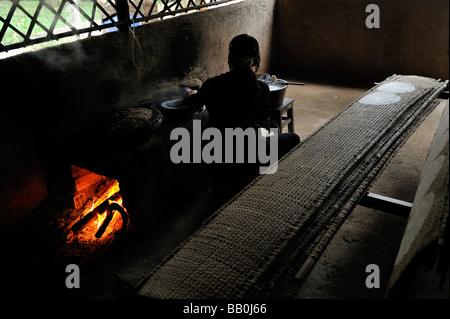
(63, 57)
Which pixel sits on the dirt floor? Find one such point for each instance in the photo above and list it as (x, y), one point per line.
(368, 236)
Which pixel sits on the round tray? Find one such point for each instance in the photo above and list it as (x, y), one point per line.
(174, 105)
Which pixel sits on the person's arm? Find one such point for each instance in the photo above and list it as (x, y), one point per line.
(196, 99)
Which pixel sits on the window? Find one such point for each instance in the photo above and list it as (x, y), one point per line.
(38, 23)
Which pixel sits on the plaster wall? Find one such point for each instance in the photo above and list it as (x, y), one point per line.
(330, 38)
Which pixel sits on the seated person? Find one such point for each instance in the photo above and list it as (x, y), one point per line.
(237, 99)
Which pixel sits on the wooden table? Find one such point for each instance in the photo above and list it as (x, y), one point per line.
(283, 114)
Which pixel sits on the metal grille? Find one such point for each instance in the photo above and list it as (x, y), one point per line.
(29, 22)
(268, 236)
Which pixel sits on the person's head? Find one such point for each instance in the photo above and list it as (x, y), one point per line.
(244, 53)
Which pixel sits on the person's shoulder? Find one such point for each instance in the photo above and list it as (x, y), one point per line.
(222, 77)
(213, 79)
(217, 80)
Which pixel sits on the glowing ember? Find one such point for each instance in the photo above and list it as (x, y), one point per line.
(99, 220)
(116, 198)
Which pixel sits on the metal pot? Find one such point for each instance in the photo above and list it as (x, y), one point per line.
(277, 92)
(277, 89)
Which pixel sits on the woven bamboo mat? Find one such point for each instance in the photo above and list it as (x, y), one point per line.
(280, 222)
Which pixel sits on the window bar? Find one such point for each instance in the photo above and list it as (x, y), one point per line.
(138, 9)
(77, 7)
(92, 15)
(170, 6)
(53, 36)
(166, 7)
(34, 19)
(121, 11)
(164, 13)
(108, 16)
(123, 14)
(151, 8)
(178, 5)
(14, 29)
(58, 16)
(6, 22)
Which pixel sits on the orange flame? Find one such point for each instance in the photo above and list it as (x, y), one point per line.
(99, 190)
(101, 216)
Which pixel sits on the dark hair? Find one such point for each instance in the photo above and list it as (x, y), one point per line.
(244, 52)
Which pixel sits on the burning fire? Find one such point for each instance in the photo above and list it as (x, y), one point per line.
(100, 218)
(102, 214)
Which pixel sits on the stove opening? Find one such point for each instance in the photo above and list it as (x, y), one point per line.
(98, 217)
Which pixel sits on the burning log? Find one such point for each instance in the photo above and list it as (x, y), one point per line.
(109, 215)
(81, 225)
(95, 225)
(105, 209)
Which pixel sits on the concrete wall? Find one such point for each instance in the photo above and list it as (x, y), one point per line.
(49, 95)
(324, 37)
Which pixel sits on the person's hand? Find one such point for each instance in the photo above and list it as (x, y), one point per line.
(189, 92)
